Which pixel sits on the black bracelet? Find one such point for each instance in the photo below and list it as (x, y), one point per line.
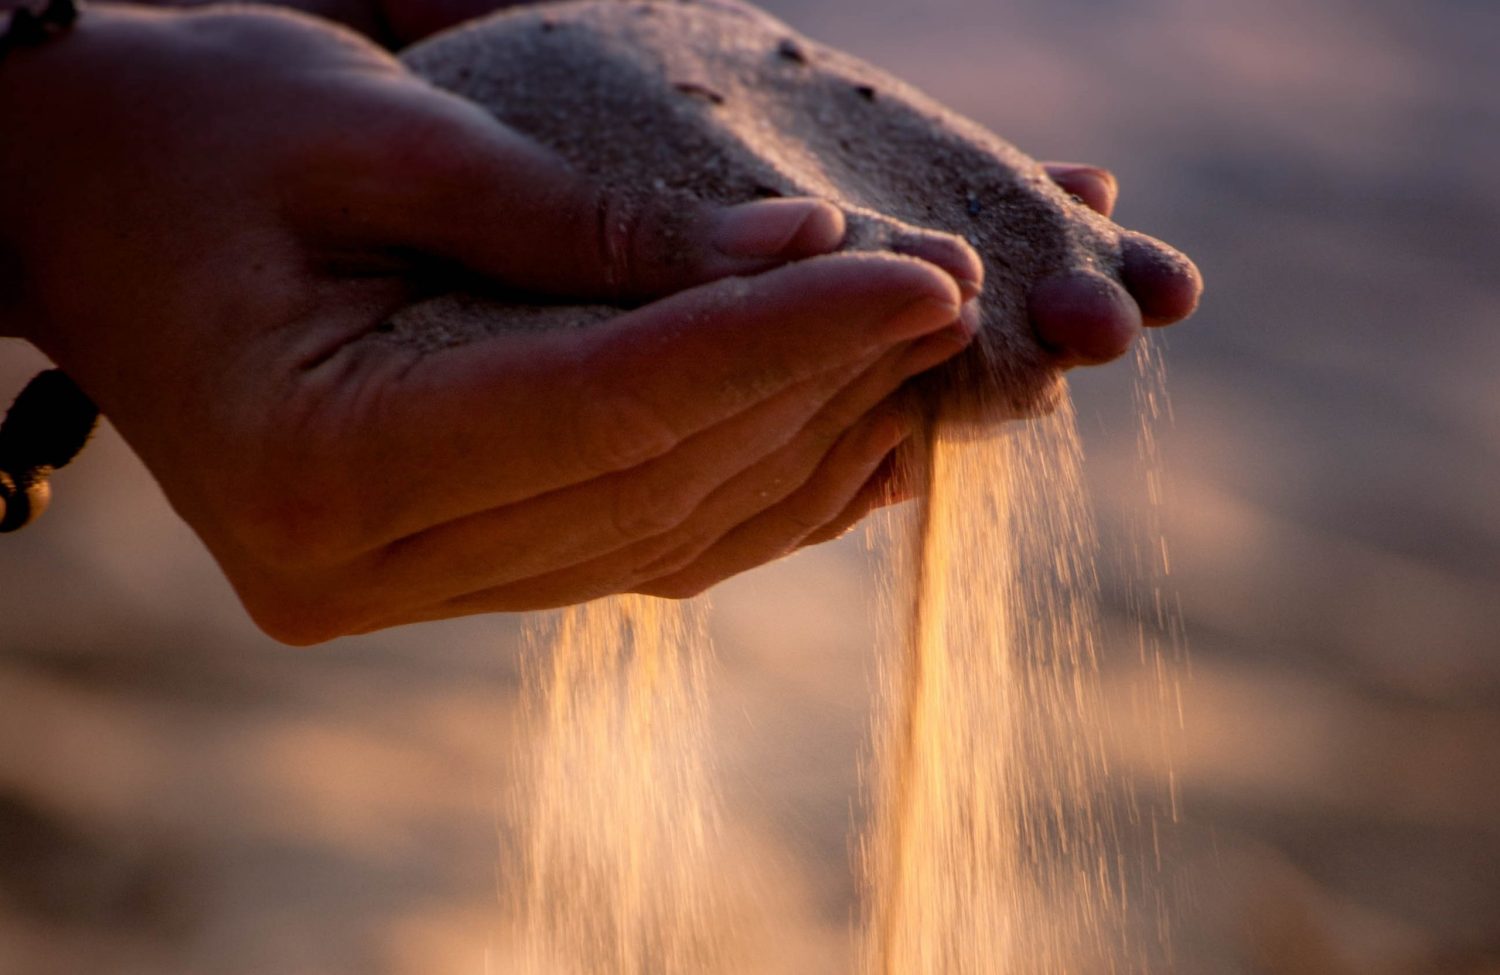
(45, 428)
(52, 418)
(27, 28)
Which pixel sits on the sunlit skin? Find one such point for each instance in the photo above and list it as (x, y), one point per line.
(215, 209)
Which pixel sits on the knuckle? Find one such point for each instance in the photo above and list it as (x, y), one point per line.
(645, 508)
(619, 432)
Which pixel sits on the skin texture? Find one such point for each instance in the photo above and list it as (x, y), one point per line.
(276, 186)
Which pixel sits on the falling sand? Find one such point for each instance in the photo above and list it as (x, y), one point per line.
(618, 818)
(992, 848)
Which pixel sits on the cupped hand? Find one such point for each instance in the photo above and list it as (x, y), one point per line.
(209, 215)
(1163, 299)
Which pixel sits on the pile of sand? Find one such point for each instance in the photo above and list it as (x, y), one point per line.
(723, 103)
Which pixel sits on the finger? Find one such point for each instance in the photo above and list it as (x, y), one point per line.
(673, 510)
(776, 533)
(782, 529)
(785, 472)
(780, 475)
(763, 485)
(1164, 282)
(949, 252)
(1083, 317)
(1096, 188)
(754, 490)
(571, 544)
(436, 175)
(599, 516)
(489, 424)
(933, 350)
(885, 487)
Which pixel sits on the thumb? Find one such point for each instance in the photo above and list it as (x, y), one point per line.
(462, 187)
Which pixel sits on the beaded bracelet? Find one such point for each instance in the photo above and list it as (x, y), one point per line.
(45, 428)
(52, 418)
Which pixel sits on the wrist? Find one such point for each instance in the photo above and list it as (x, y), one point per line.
(45, 156)
(24, 26)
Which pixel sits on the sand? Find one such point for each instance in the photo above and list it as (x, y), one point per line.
(991, 850)
(720, 102)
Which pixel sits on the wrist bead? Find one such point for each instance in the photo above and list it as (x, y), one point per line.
(28, 28)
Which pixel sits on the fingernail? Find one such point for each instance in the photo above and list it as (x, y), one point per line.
(1082, 169)
(1096, 187)
(969, 319)
(953, 254)
(786, 228)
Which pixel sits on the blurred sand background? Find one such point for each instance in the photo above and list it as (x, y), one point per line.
(180, 795)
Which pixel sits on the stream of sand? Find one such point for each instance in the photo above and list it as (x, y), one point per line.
(992, 850)
(996, 848)
(996, 843)
(615, 871)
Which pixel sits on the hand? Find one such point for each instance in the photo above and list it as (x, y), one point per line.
(394, 23)
(211, 213)
(1163, 299)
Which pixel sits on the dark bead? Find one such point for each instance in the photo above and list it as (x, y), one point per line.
(48, 424)
(26, 28)
(60, 13)
(22, 504)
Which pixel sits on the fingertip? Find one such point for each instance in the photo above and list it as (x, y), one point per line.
(1095, 186)
(951, 253)
(822, 232)
(1084, 317)
(1165, 283)
(784, 229)
(919, 299)
(933, 350)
